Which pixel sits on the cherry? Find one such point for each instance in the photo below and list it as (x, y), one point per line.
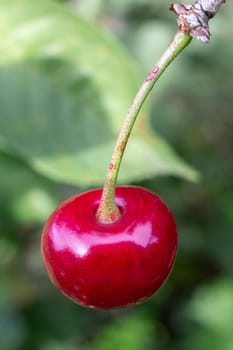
(115, 246)
(110, 265)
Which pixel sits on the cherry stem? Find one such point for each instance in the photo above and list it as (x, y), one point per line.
(108, 211)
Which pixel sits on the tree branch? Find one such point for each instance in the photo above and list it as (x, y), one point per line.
(194, 19)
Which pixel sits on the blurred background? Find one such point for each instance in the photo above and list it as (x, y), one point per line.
(68, 71)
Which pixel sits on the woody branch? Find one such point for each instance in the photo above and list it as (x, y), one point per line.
(194, 18)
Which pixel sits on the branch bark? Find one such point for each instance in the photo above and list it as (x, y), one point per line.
(194, 18)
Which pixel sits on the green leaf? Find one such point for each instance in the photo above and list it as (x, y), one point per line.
(64, 90)
(128, 333)
(210, 311)
(212, 306)
(28, 197)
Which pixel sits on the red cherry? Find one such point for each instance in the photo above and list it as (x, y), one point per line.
(110, 265)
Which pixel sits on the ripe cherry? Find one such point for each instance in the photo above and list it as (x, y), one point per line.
(110, 265)
(115, 246)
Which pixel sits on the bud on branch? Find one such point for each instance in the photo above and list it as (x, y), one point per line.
(194, 19)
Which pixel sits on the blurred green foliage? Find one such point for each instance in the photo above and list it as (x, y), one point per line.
(65, 84)
(71, 85)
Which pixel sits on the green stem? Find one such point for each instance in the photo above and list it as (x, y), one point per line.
(108, 211)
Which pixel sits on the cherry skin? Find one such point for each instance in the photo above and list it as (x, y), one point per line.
(110, 265)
